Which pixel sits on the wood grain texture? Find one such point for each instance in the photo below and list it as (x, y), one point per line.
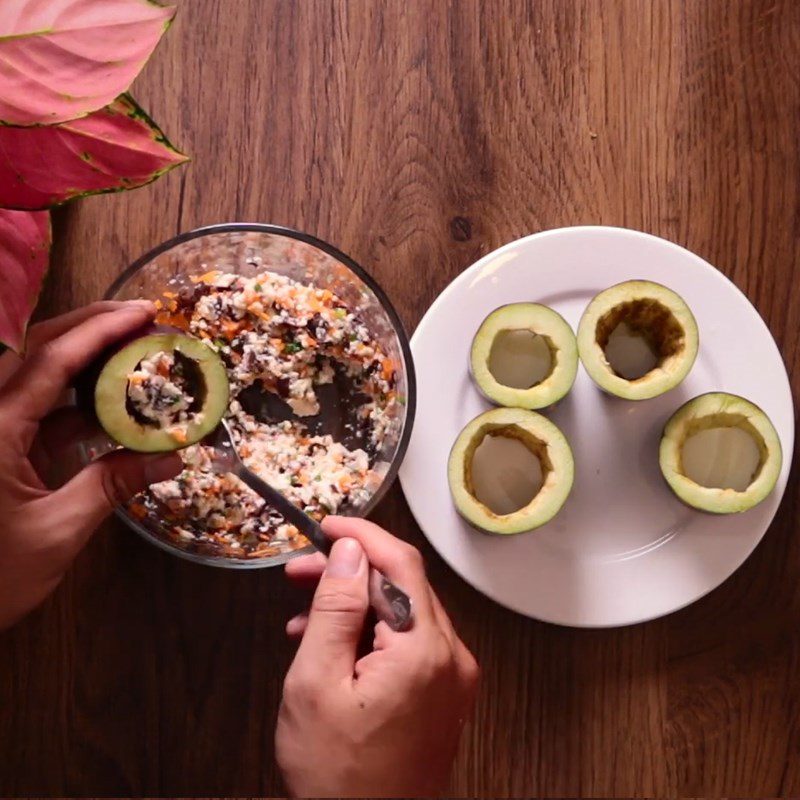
(418, 136)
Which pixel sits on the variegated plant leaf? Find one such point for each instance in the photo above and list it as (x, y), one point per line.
(24, 254)
(118, 147)
(63, 59)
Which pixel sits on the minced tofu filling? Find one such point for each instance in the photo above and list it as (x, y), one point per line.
(159, 394)
(286, 338)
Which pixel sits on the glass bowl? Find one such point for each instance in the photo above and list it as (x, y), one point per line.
(250, 248)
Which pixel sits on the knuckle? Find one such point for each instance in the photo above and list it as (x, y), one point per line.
(49, 359)
(442, 656)
(434, 660)
(292, 685)
(339, 600)
(411, 557)
(470, 670)
(42, 349)
(114, 486)
(47, 353)
(299, 689)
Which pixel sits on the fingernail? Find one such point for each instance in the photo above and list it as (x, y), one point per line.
(162, 467)
(345, 559)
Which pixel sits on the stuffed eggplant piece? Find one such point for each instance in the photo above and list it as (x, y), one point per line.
(161, 391)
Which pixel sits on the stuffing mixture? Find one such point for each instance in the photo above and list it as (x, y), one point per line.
(159, 394)
(283, 337)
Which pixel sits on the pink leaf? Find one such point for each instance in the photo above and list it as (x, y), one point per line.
(116, 148)
(63, 59)
(24, 252)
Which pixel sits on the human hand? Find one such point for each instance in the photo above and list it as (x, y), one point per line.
(387, 724)
(43, 530)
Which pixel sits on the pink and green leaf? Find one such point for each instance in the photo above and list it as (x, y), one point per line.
(24, 253)
(116, 148)
(63, 59)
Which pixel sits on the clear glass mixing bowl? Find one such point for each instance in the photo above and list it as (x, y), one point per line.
(249, 248)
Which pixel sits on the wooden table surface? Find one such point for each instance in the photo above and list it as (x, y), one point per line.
(418, 136)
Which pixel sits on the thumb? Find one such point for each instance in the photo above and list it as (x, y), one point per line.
(337, 614)
(82, 503)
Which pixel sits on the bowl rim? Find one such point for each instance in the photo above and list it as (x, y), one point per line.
(394, 318)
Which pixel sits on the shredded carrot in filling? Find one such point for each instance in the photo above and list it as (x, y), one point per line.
(287, 338)
(206, 277)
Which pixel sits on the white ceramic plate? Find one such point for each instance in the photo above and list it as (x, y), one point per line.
(623, 549)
